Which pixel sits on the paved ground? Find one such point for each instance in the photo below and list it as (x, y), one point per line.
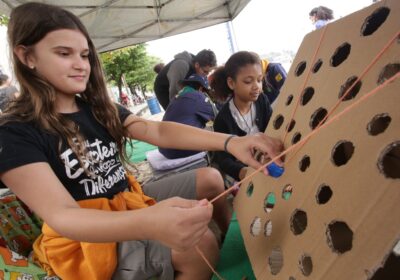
(142, 110)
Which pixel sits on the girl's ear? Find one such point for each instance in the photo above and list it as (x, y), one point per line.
(22, 53)
(231, 83)
(196, 66)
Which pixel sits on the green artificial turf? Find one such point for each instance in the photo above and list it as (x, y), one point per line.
(234, 263)
(137, 153)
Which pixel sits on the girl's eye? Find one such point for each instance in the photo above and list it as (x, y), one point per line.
(85, 55)
(64, 53)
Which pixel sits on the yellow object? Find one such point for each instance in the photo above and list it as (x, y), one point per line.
(70, 259)
(278, 77)
(264, 66)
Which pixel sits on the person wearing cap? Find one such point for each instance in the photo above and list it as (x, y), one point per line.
(191, 106)
(166, 84)
(274, 77)
(7, 92)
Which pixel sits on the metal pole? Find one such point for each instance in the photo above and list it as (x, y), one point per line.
(231, 37)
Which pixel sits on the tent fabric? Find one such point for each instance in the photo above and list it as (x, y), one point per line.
(114, 24)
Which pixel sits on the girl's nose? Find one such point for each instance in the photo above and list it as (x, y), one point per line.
(256, 86)
(81, 62)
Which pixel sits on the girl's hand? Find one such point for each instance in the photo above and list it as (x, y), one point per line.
(243, 148)
(179, 223)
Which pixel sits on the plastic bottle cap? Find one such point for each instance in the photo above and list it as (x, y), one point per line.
(275, 170)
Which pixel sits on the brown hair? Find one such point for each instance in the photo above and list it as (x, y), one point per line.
(218, 80)
(29, 23)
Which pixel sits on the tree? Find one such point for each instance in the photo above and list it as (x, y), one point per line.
(133, 64)
(141, 75)
(4, 19)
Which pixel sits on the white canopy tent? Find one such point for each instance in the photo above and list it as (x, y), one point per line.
(114, 24)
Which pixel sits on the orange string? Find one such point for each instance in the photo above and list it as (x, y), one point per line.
(307, 78)
(311, 134)
(369, 66)
(208, 263)
(321, 124)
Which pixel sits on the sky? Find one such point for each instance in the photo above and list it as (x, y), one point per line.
(263, 26)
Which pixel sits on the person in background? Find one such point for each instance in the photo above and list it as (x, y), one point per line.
(63, 154)
(320, 16)
(274, 75)
(158, 67)
(166, 84)
(7, 92)
(191, 106)
(124, 99)
(247, 111)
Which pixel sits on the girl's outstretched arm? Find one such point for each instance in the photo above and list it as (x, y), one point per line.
(179, 136)
(176, 222)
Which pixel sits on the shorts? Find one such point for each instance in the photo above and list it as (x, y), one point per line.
(143, 259)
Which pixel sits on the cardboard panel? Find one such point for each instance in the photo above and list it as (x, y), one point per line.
(343, 217)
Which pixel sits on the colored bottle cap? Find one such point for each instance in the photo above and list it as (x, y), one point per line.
(275, 170)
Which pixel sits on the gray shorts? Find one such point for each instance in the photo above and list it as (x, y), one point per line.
(148, 258)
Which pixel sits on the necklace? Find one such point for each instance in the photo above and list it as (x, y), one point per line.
(249, 126)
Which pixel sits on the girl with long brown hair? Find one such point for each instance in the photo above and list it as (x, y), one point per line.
(62, 152)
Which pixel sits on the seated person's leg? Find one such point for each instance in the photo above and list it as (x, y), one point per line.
(194, 184)
(149, 258)
(190, 265)
(209, 184)
(182, 185)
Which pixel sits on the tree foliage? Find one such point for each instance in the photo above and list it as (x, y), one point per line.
(4, 19)
(133, 64)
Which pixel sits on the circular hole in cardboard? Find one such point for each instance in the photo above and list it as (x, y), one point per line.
(306, 265)
(341, 54)
(374, 21)
(388, 71)
(296, 137)
(287, 192)
(378, 124)
(304, 163)
(275, 260)
(339, 237)
(269, 202)
(268, 229)
(298, 222)
(353, 91)
(317, 66)
(290, 125)
(255, 226)
(289, 100)
(250, 189)
(324, 194)
(307, 95)
(389, 161)
(278, 121)
(300, 68)
(317, 117)
(342, 152)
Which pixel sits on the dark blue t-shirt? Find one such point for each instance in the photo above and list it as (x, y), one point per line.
(192, 108)
(25, 143)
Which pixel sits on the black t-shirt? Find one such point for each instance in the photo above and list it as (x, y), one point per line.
(25, 143)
